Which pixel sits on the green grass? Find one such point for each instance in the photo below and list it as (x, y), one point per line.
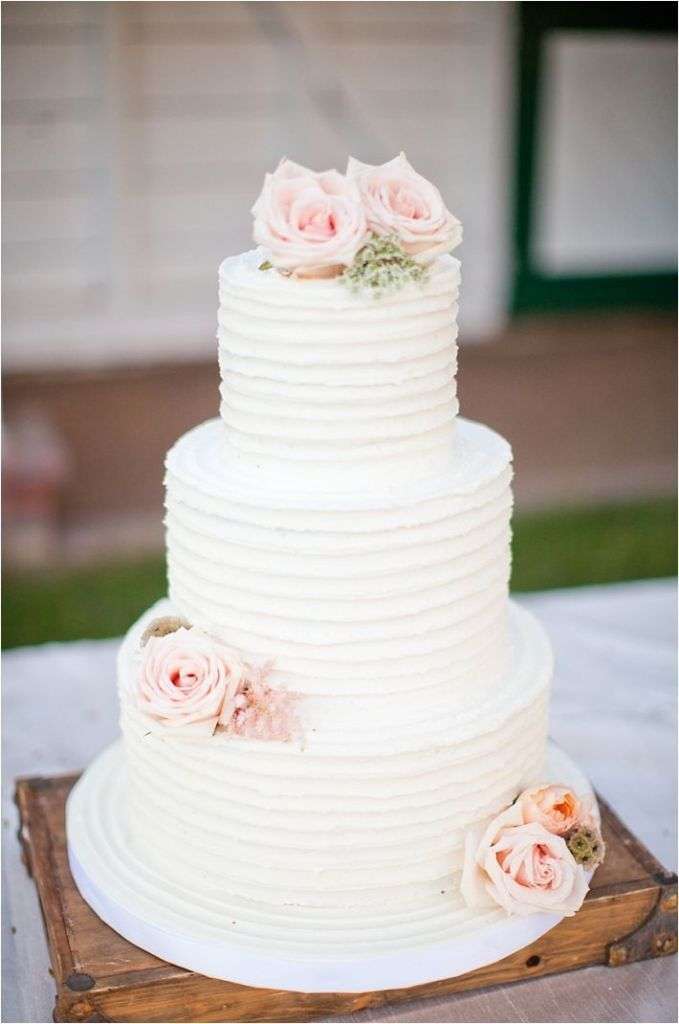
(91, 602)
(551, 549)
(574, 547)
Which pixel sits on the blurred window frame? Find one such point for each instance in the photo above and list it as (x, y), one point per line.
(533, 290)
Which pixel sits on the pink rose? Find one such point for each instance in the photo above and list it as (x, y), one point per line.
(185, 679)
(399, 201)
(522, 867)
(258, 711)
(311, 224)
(556, 808)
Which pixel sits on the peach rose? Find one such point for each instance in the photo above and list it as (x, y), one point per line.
(522, 867)
(311, 224)
(556, 808)
(185, 679)
(399, 201)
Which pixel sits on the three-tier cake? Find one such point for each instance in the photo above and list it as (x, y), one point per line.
(339, 693)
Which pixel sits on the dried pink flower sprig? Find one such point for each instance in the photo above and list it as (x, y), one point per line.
(259, 711)
(535, 856)
(190, 682)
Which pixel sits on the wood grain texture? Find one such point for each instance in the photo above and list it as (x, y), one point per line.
(629, 914)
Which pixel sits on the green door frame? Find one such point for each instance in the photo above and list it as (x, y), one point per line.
(533, 290)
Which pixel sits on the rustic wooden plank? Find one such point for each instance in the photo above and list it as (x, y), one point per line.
(36, 847)
(630, 913)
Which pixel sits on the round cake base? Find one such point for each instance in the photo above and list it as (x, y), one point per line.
(111, 879)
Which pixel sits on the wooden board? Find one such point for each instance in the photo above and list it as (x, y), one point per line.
(630, 914)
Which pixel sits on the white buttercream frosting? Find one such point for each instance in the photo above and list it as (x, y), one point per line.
(317, 379)
(369, 591)
(366, 813)
(341, 521)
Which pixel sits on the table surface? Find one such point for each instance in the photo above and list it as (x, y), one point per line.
(613, 710)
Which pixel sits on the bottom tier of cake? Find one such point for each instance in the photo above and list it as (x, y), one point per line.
(360, 837)
(308, 951)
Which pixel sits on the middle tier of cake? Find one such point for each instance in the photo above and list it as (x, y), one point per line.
(366, 593)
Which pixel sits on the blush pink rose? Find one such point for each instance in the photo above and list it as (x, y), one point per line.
(185, 679)
(521, 867)
(399, 201)
(556, 808)
(258, 711)
(311, 224)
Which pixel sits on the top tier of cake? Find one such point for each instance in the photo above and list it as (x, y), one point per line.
(323, 384)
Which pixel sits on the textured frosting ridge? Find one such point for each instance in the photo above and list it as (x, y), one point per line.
(341, 520)
(315, 375)
(364, 592)
(367, 814)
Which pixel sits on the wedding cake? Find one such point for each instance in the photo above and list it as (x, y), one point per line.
(328, 723)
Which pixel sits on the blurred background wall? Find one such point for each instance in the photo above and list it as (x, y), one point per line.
(135, 139)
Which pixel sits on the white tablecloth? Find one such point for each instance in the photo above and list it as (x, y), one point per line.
(613, 710)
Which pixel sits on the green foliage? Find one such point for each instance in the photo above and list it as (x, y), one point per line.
(551, 549)
(381, 267)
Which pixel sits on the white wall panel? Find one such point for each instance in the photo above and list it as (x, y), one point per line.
(137, 136)
(46, 142)
(37, 16)
(39, 72)
(218, 65)
(190, 140)
(606, 199)
(54, 218)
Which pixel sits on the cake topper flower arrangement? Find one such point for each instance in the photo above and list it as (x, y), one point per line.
(535, 856)
(190, 682)
(376, 227)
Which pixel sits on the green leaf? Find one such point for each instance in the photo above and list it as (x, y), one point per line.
(266, 265)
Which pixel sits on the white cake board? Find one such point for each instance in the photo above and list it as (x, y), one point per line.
(103, 868)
